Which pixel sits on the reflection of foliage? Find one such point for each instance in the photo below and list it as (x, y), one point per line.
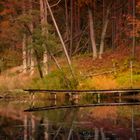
(40, 132)
(7, 131)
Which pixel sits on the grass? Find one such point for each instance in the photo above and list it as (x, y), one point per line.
(83, 66)
(51, 81)
(124, 80)
(55, 80)
(12, 82)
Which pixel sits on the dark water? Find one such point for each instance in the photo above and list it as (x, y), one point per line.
(87, 123)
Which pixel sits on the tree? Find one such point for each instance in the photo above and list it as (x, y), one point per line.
(106, 21)
(43, 16)
(61, 39)
(88, 4)
(92, 33)
(24, 45)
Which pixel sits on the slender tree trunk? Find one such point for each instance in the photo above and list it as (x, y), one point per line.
(67, 20)
(106, 21)
(59, 67)
(38, 64)
(24, 48)
(32, 61)
(103, 11)
(78, 18)
(43, 16)
(92, 34)
(31, 54)
(61, 39)
(114, 26)
(24, 54)
(134, 29)
(113, 33)
(75, 11)
(71, 28)
(31, 50)
(36, 56)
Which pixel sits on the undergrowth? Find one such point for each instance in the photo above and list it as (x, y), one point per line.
(55, 80)
(83, 67)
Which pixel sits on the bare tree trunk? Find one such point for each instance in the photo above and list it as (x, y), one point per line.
(43, 16)
(31, 54)
(24, 54)
(61, 39)
(31, 50)
(24, 48)
(67, 20)
(32, 61)
(113, 26)
(60, 69)
(38, 64)
(134, 29)
(78, 18)
(106, 21)
(71, 28)
(45, 62)
(92, 34)
(103, 11)
(36, 55)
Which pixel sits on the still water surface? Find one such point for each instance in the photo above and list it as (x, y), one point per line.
(90, 123)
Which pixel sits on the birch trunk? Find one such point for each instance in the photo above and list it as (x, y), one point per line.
(32, 59)
(24, 54)
(106, 21)
(92, 34)
(24, 48)
(61, 39)
(43, 16)
(71, 28)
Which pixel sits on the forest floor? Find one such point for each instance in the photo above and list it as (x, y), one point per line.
(112, 71)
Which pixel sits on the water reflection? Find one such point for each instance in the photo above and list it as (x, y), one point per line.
(92, 123)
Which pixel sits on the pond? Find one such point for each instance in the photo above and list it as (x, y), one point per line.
(65, 118)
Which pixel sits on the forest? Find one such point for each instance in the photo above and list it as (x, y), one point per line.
(69, 44)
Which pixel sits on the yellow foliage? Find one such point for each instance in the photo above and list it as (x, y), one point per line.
(103, 82)
(98, 82)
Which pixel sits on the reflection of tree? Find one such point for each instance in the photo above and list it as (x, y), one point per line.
(8, 131)
(40, 130)
(70, 116)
